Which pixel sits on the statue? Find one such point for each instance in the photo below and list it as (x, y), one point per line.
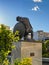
(24, 27)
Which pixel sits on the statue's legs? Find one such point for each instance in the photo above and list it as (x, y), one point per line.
(31, 34)
(26, 35)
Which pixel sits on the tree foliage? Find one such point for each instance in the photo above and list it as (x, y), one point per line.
(45, 49)
(6, 39)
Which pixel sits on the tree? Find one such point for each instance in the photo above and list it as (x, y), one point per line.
(45, 48)
(6, 39)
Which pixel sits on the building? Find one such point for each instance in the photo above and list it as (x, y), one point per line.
(40, 35)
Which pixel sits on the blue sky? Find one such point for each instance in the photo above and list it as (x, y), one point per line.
(36, 10)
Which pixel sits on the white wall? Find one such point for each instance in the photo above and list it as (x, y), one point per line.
(35, 35)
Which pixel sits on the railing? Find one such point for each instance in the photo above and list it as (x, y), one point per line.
(45, 59)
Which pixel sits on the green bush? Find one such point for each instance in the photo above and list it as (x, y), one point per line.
(24, 61)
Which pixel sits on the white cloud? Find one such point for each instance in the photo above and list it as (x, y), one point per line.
(37, 0)
(36, 8)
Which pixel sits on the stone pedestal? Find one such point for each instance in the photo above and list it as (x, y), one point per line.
(28, 50)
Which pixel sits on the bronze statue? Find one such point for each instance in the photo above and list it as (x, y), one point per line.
(24, 27)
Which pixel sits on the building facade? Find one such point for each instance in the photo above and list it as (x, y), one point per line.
(40, 35)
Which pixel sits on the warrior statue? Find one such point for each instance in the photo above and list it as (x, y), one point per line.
(24, 27)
